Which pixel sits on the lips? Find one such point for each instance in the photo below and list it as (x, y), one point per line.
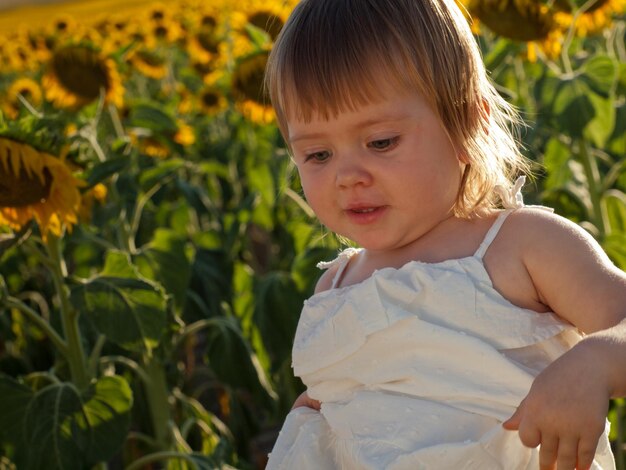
(365, 214)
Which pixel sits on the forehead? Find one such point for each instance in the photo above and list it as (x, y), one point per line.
(390, 109)
(373, 92)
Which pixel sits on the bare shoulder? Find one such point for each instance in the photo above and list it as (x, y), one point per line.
(542, 235)
(568, 268)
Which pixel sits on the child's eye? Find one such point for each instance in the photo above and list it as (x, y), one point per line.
(384, 144)
(318, 157)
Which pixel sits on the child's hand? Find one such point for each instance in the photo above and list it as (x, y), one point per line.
(565, 411)
(305, 400)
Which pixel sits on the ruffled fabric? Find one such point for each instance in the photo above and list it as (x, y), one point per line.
(417, 368)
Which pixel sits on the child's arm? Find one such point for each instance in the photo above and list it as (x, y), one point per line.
(305, 400)
(566, 407)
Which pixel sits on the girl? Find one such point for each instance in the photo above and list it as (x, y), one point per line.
(468, 331)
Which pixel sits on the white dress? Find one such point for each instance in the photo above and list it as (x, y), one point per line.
(417, 368)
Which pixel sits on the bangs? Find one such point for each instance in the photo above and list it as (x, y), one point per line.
(324, 70)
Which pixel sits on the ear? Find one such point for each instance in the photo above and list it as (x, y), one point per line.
(463, 157)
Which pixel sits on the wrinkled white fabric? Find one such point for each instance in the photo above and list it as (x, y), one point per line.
(417, 368)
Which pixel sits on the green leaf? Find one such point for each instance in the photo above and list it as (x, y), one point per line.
(106, 412)
(151, 116)
(615, 247)
(304, 269)
(617, 142)
(498, 53)
(600, 72)
(233, 361)
(601, 126)
(581, 112)
(573, 108)
(13, 404)
(64, 429)
(128, 309)
(167, 260)
(258, 36)
(615, 203)
(559, 164)
(277, 310)
(103, 170)
(163, 169)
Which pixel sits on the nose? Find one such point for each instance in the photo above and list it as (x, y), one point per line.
(351, 171)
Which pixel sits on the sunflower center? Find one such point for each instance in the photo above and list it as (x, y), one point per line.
(208, 22)
(248, 78)
(161, 31)
(23, 189)
(525, 23)
(81, 71)
(210, 99)
(269, 23)
(207, 40)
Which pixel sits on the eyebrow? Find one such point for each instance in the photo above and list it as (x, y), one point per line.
(361, 124)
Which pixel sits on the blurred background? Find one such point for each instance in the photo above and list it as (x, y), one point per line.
(155, 246)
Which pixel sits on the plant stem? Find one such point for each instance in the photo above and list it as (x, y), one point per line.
(157, 394)
(594, 184)
(39, 321)
(69, 318)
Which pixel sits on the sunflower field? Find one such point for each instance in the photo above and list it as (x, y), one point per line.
(155, 246)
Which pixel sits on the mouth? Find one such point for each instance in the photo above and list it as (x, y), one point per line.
(366, 210)
(365, 214)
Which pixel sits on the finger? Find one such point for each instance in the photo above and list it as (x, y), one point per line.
(586, 453)
(568, 453)
(529, 435)
(548, 453)
(513, 422)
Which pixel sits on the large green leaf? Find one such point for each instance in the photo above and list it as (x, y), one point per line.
(151, 116)
(278, 305)
(159, 172)
(233, 361)
(66, 430)
(14, 401)
(581, 112)
(127, 308)
(601, 73)
(106, 414)
(167, 260)
(615, 204)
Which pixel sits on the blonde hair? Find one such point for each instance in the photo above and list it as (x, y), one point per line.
(330, 55)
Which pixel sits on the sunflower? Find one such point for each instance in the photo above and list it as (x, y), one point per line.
(25, 87)
(185, 135)
(203, 44)
(528, 21)
(76, 75)
(598, 16)
(149, 63)
(269, 16)
(19, 56)
(212, 100)
(248, 90)
(35, 185)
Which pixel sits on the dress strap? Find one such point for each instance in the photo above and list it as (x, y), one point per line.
(512, 199)
(342, 259)
(492, 233)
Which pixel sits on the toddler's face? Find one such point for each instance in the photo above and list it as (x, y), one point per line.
(382, 175)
